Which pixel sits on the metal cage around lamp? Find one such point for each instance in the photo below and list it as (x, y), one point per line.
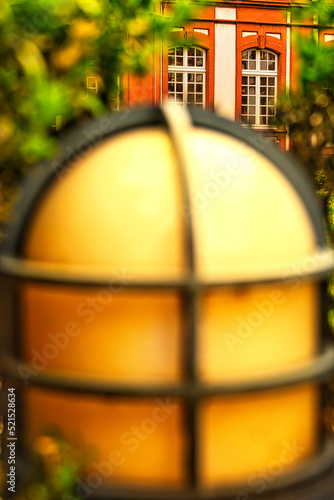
(164, 282)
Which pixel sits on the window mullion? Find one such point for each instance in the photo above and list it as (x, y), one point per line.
(265, 80)
(196, 97)
(257, 99)
(185, 88)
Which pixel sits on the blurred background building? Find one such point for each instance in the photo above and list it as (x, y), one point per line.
(242, 57)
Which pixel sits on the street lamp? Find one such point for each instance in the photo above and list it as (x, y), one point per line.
(165, 287)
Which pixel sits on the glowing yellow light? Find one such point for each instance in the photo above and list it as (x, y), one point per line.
(118, 212)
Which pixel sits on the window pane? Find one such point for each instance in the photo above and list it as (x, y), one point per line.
(244, 120)
(177, 79)
(258, 85)
(271, 120)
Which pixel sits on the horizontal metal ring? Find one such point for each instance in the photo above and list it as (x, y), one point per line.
(316, 370)
(293, 484)
(297, 269)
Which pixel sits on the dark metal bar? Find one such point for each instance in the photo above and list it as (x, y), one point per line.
(316, 474)
(78, 141)
(22, 270)
(326, 300)
(178, 125)
(93, 133)
(282, 162)
(324, 391)
(191, 391)
(316, 370)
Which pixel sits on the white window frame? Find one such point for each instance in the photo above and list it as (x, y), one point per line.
(185, 69)
(257, 73)
(92, 86)
(115, 98)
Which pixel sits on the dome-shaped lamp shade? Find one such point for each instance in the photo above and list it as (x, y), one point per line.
(169, 284)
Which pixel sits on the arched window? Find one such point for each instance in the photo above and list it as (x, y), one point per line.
(186, 76)
(259, 87)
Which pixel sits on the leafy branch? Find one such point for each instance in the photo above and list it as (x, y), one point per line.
(48, 48)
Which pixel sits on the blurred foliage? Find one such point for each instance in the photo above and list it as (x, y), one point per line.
(47, 50)
(56, 468)
(309, 111)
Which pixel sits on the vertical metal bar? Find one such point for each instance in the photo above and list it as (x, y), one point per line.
(326, 301)
(18, 352)
(326, 392)
(179, 123)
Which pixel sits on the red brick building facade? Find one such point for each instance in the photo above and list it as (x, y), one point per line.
(240, 57)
